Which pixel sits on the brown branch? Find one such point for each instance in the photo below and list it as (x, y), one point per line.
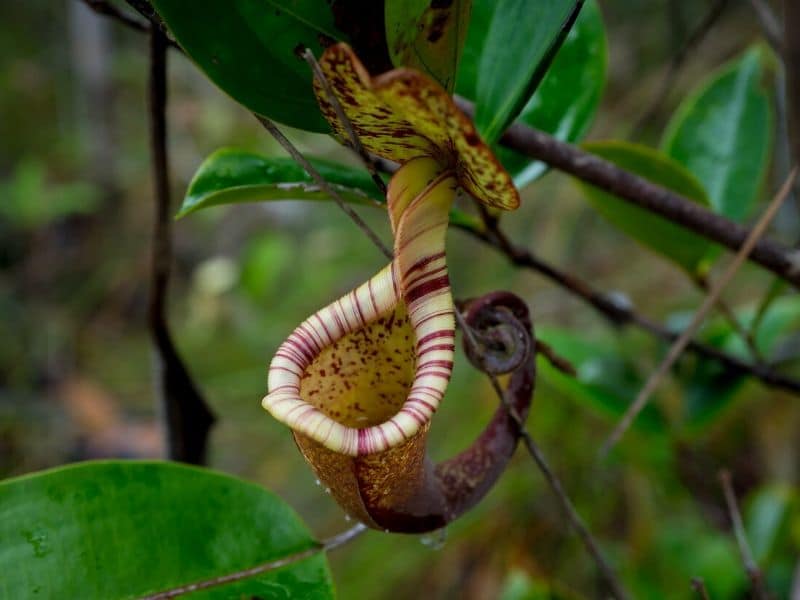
(750, 566)
(186, 416)
(329, 544)
(623, 314)
(682, 342)
(676, 208)
(106, 9)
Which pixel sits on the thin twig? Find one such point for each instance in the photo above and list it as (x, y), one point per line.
(323, 184)
(329, 544)
(680, 344)
(750, 566)
(102, 7)
(341, 115)
(699, 586)
(632, 188)
(770, 26)
(575, 520)
(678, 59)
(187, 418)
(620, 313)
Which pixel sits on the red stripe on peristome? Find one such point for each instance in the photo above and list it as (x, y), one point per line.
(425, 403)
(420, 418)
(428, 287)
(362, 442)
(445, 364)
(427, 318)
(422, 276)
(448, 347)
(357, 304)
(372, 297)
(442, 333)
(423, 262)
(324, 328)
(301, 346)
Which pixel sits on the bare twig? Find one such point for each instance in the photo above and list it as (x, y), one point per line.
(620, 313)
(603, 174)
(102, 7)
(354, 141)
(699, 587)
(329, 544)
(186, 416)
(324, 185)
(668, 81)
(750, 566)
(575, 520)
(770, 25)
(680, 344)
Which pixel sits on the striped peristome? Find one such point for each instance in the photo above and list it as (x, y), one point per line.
(416, 284)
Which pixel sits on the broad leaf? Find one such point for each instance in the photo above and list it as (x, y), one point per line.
(247, 47)
(681, 246)
(231, 176)
(521, 38)
(427, 36)
(565, 101)
(606, 381)
(123, 529)
(723, 133)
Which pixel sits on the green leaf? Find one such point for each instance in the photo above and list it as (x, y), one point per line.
(723, 134)
(427, 36)
(247, 47)
(123, 529)
(520, 40)
(606, 380)
(232, 176)
(766, 519)
(686, 249)
(565, 101)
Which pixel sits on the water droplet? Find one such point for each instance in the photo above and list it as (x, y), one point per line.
(348, 518)
(385, 531)
(435, 540)
(327, 490)
(318, 482)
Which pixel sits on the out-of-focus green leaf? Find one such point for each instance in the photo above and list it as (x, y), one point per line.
(124, 529)
(427, 36)
(723, 133)
(686, 249)
(231, 176)
(520, 40)
(606, 379)
(247, 47)
(766, 519)
(520, 586)
(30, 201)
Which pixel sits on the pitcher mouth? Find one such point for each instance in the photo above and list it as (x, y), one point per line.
(381, 355)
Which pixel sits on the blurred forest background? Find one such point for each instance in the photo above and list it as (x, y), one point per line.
(75, 359)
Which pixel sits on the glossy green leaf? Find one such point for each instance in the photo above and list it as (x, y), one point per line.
(427, 36)
(232, 176)
(521, 38)
(123, 529)
(606, 381)
(679, 245)
(247, 47)
(565, 101)
(723, 133)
